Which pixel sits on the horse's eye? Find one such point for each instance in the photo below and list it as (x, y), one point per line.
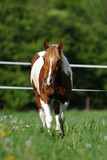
(44, 59)
(58, 62)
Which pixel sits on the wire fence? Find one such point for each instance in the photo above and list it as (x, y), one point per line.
(30, 88)
(72, 65)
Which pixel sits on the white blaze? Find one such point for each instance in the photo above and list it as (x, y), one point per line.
(50, 70)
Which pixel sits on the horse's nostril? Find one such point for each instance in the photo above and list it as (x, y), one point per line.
(48, 82)
(51, 80)
(44, 80)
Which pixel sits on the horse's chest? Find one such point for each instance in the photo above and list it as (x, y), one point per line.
(58, 93)
(58, 90)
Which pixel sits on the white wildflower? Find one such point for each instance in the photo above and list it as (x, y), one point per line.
(103, 122)
(88, 145)
(23, 129)
(27, 126)
(15, 121)
(105, 138)
(17, 127)
(28, 143)
(5, 116)
(10, 116)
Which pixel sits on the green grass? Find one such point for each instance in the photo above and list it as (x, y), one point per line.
(22, 138)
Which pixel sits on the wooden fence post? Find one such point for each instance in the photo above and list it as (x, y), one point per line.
(87, 105)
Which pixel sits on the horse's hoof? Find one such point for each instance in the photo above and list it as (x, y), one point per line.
(59, 132)
(49, 131)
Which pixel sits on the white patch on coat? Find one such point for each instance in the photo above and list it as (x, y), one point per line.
(41, 54)
(42, 116)
(58, 127)
(49, 74)
(48, 115)
(36, 70)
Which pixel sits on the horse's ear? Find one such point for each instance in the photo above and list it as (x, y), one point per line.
(60, 46)
(45, 45)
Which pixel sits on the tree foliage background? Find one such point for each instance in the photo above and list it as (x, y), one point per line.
(80, 24)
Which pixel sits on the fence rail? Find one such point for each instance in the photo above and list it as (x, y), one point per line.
(72, 65)
(15, 63)
(30, 88)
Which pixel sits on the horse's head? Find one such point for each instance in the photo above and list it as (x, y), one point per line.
(52, 61)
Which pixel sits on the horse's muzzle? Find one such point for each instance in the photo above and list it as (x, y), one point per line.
(48, 82)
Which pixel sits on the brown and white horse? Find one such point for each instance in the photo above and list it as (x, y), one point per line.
(51, 77)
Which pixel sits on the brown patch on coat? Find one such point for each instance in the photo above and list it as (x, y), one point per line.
(63, 87)
(45, 92)
(34, 59)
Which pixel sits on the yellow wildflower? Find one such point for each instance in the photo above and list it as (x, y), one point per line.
(11, 157)
(3, 133)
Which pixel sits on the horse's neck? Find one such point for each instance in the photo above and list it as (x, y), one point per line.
(60, 76)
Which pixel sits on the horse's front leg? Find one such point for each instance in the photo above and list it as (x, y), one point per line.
(57, 115)
(48, 116)
(60, 109)
(42, 116)
(63, 108)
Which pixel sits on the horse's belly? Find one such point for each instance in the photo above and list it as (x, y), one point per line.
(36, 71)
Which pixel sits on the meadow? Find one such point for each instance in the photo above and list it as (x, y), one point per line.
(23, 138)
